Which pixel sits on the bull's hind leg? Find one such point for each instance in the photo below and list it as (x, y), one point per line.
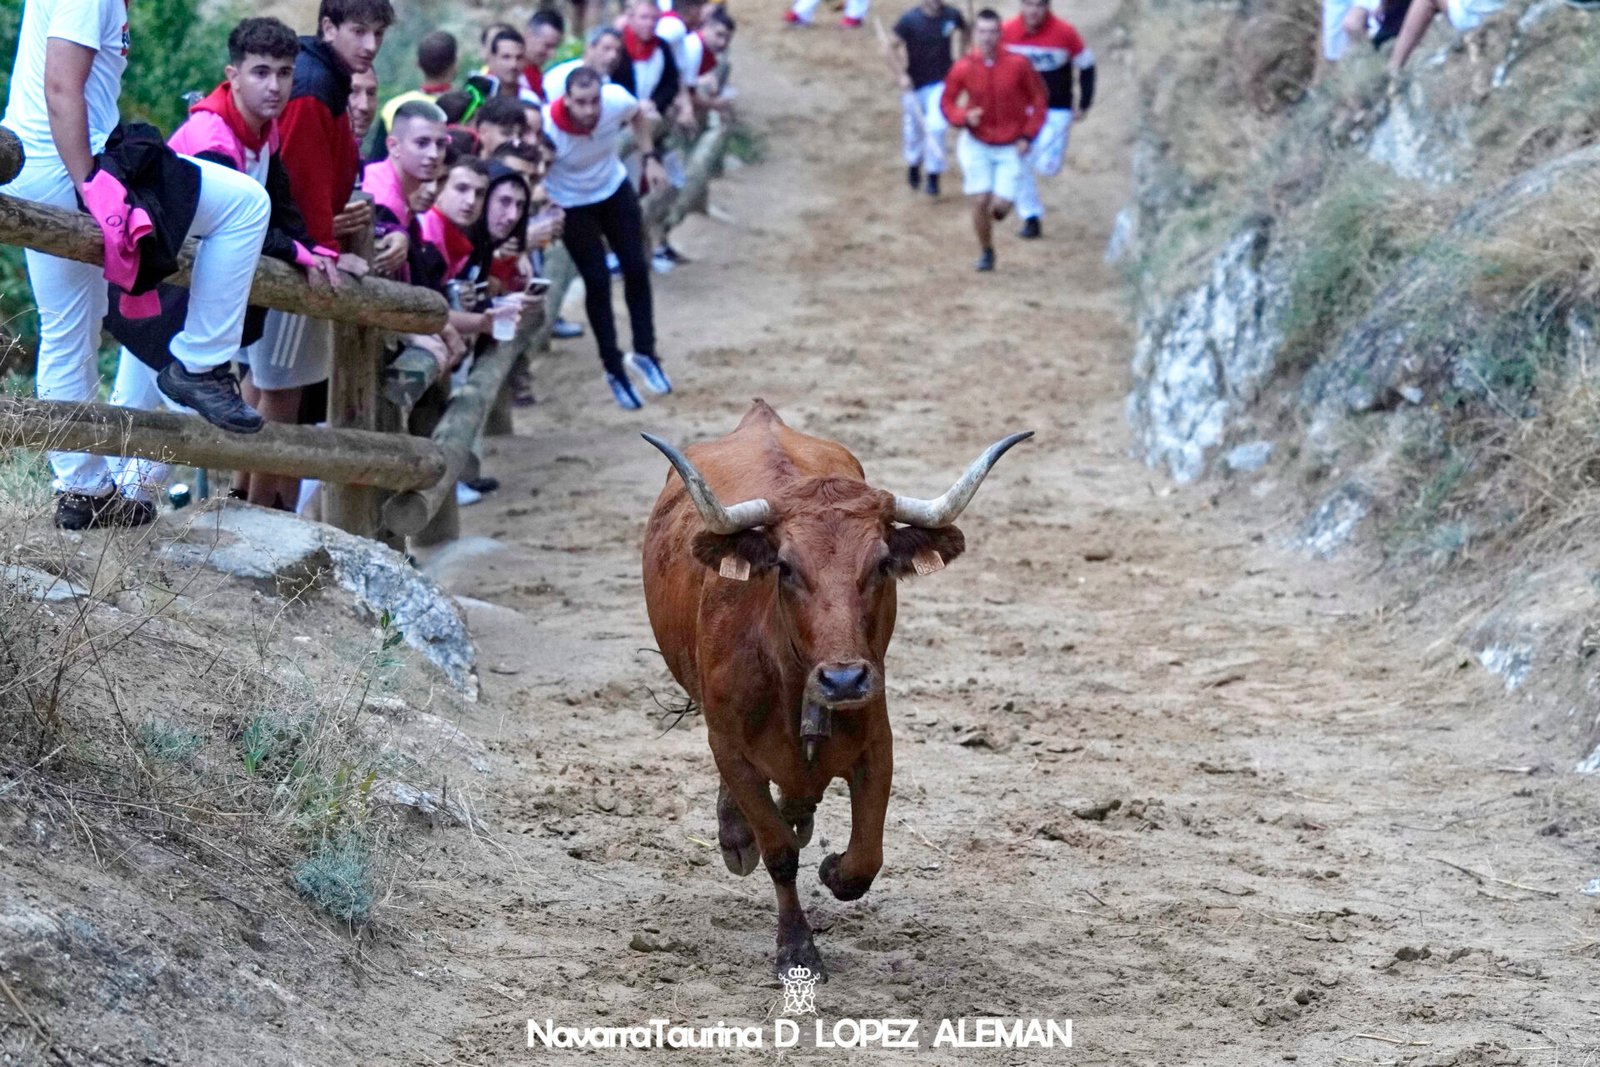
(738, 841)
(850, 875)
(780, 851)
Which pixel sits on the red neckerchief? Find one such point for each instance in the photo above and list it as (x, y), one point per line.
(563, 120)
(457, 245)
(708, 58)
(220, 103)
(639, 51)
(437, 90)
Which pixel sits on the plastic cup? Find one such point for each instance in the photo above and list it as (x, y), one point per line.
(503, 311)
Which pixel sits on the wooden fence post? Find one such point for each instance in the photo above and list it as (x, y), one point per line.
(353, 398)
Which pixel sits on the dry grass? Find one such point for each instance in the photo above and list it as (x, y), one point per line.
(1550, 260)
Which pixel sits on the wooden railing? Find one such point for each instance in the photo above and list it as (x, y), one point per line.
(377, 481)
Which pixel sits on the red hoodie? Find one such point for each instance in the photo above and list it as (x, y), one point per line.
(1009, 91)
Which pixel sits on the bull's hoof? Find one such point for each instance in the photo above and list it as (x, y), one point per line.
(741, 859)
(801, 952)
(841, 887)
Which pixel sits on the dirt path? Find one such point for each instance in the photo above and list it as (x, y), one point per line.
(1194, 796)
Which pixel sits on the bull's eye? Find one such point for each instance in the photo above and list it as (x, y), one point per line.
(785, 571)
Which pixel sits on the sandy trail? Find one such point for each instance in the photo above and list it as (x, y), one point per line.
(1288, 762)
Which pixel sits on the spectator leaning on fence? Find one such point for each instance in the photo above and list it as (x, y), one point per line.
(587, 179)
(363, 106)
(603, 55)
(499, 121)
(320, 154)
(70, 58)
(236, 126)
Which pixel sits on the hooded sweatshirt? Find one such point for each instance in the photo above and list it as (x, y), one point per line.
(318, 146)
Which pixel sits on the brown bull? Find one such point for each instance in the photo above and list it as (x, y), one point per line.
(774, 614)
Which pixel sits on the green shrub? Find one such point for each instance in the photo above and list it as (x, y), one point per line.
(339, 878)
(168, 741)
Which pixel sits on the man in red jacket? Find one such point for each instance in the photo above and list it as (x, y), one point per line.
(999, 103)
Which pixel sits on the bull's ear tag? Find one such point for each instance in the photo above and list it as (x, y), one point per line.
(737, 568)
(927, 561)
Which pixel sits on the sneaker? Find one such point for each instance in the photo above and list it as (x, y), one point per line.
(613, 264)
(80, 511)
(466, 496)
(914, 177)
(623, 392)
(213, 395)
(671, 253)
(986, 261)
(649, 368)
(793, 18)
(848, 23)
(481, 485)
(661, 264)
(566, 330)
(1030, 228)
(933, 185)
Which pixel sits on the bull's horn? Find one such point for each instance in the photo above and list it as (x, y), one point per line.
(932, 514)
(745, 515)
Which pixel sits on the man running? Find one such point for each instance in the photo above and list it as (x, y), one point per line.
(1056, 50)
(70, 59)
(588, 181)
(920, 56)
(999, 102)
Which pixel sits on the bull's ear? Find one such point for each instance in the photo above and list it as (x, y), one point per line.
(913, 550)
(736, 556)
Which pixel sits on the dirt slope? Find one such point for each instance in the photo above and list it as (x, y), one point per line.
(1156, 772)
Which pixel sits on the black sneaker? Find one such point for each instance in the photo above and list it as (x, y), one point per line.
(80, 511)
(933, 185)
(1030, 228)
(667, 252)
(914, 177)
(213, 394)
(481, 485)
(986, 261)
(565, 329)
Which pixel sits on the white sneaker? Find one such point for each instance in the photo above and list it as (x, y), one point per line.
(661, 263)
(466, 496)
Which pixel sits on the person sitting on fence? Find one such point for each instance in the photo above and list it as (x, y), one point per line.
(589, 182)
(437, 54)
(498, 121)
(236, 126)
(64, 88)
(1464, 16)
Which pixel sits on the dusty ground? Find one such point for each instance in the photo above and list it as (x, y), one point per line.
(1157, 773)
(1288, 756)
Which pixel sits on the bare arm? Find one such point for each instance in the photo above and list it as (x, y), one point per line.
(66, 73)
(644, 139)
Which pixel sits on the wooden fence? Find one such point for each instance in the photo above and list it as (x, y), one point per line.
(377, 481)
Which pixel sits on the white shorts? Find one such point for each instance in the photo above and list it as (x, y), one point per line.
(988, 168)
(1467, 15)
(294, 351)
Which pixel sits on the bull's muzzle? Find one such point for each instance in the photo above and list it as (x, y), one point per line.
(833, 687)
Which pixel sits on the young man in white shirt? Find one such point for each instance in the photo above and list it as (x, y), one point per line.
(588, 181)
(70, 58)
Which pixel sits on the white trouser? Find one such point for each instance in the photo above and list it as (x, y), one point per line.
(1044, 157)
(922, 128)
(141, 479)
(230, 220)
(853, 9)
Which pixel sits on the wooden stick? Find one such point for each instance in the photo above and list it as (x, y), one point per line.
(1480, 876)
(354, 394)
(1395, 1040)
(369, 301)
(355, 457)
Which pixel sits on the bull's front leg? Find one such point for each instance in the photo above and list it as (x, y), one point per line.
(850, 875)
(780, 851)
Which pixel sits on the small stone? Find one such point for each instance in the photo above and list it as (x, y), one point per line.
(1098, 554)
(605, 800)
